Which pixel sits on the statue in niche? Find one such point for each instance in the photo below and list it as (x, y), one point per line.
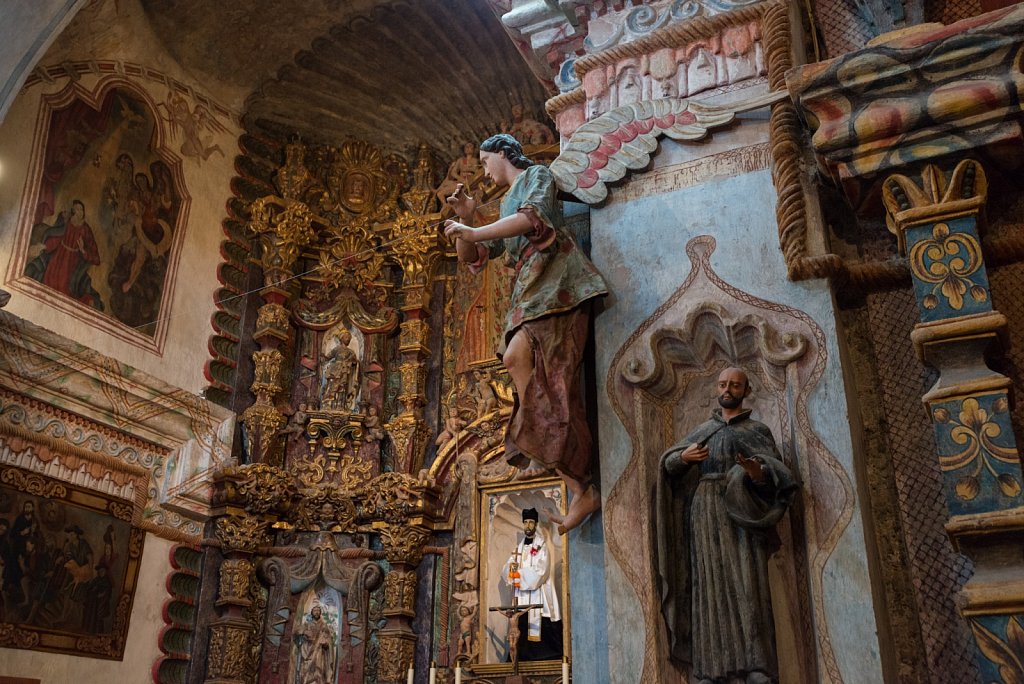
(546, 328)
(528, 130)
(339, 370)
(315, 640)
(462, 170)
(483, 393)
(466, 618)
(372, 426)
(724, 489)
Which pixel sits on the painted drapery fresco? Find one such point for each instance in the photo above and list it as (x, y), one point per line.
(107, 210)
(70, 561)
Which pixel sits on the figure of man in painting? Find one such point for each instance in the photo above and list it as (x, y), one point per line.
(548, 317)
(725, 489)
(340, 370)
(528, 571)
(316, 650)
(69, 251)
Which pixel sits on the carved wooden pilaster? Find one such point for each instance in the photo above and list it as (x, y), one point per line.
(403, 547)
(231, 634)
(417, 248)
(936, 224)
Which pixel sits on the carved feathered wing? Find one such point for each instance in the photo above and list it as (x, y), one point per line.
(602, 150)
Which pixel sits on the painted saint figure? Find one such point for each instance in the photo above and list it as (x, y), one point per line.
(528, 571)
(340, 371)
(69, 251)
(725, 487)
(546, 328)
(316, 650)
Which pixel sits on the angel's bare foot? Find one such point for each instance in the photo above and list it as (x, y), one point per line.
(579, 510)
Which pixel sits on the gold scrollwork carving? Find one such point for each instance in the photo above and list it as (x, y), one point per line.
(33, 484)
(227, 655)
(241, 534)
(11, 635)
(121, 511)
(417, 246)
(404, 543)
(328, 509)
(272, 317)
(263, 487)
(396, 652)
(235, 578)
(400, 592)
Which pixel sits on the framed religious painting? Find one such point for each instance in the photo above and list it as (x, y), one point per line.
(70, 560)
(104, 212)
(523, 562)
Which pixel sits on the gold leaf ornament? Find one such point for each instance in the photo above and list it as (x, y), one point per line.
(967, 488)
(1008, 655)
(1008, 485)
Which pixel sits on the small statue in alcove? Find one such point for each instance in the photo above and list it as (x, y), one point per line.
(725, 489)
(547, 323)
(339, 370)
(315, 639)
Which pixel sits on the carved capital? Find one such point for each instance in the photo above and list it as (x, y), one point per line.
(403, 543)
(241, 534)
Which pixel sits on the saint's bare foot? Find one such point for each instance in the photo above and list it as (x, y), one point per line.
(579, 510)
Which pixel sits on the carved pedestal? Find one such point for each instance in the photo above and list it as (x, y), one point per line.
(936, 224)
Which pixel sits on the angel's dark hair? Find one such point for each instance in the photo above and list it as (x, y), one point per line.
(503, 142)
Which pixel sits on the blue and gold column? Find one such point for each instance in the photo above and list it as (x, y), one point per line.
(936, 224)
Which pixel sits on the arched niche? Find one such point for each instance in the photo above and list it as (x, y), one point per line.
(660, 384)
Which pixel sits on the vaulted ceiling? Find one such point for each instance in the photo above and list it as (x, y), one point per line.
(397, 73)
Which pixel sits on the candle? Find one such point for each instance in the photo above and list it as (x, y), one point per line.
(565, 671)
(458, 674)
(433, 672)
(409, 678)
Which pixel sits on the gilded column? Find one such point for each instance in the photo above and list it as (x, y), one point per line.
(284, 225)
(417, 249)
(230, 650)
(936, 225)
(403, 547)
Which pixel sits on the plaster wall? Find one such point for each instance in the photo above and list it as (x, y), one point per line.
(140, 652)
(639, 237)
(29, 29)
(118, 33)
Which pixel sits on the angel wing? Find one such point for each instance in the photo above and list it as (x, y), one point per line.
(602, 150)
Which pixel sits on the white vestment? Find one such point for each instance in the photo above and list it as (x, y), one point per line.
(535, 585)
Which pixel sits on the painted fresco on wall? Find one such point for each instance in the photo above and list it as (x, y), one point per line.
(70, 561)
(105, 211)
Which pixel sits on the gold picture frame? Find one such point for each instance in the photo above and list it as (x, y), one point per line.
(500, 510)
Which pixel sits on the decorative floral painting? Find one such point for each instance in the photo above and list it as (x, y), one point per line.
(105, 211)
(69, 560)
